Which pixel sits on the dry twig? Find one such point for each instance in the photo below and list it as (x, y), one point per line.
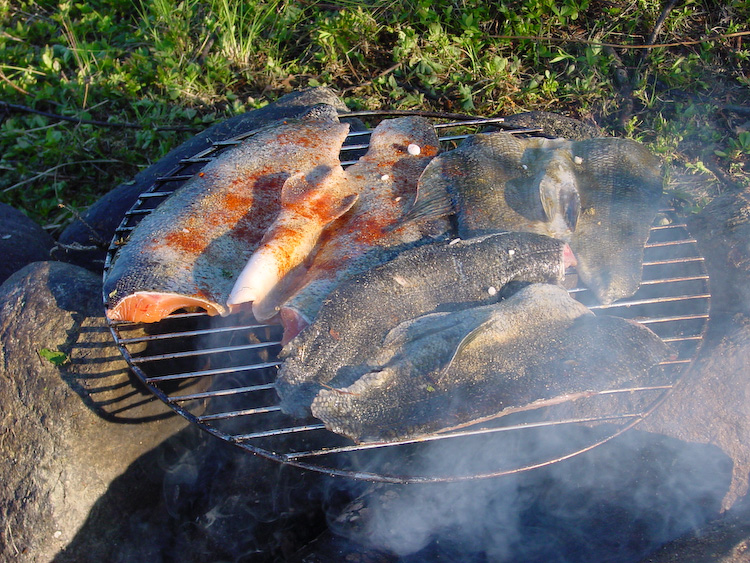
(656, 30)
(621, 45)
(18, 108)
(51, 170)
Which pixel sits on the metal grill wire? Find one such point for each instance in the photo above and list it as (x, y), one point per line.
(218, 373)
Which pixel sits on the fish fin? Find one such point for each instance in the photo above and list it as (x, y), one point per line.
(560, 200)
(322, 178)
(322, 189)
(294, 322)
(570, 204)
(434, 198)
(467, 340)
(319, 112)
(294, 188)
(343, 206)
(522, 196)
(421, 327)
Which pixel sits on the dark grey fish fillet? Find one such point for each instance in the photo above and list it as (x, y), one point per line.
(190, 249)
(600, 195)
(440, 276)
(620, 185)
(498, 181)
(443, 370)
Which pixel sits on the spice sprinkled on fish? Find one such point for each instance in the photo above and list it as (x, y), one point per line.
(385, 180)
(190, 249)
(309, 203)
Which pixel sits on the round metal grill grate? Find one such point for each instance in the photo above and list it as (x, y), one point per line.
(218, 373)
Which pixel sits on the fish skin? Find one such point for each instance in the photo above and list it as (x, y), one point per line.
(444, 370)
(557, 186)
(189, 250)
(385, 179)
(440, 276)
(309, 203)
(561, 188)
(620, 185)
(492, 182)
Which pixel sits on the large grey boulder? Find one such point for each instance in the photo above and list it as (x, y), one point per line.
(725, 540)
(85, 240)
(22, 241)
(72, 420)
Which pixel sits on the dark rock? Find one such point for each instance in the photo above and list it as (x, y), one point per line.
(129, 523)
(556, 125)
(722, 229)
(726, 540)
(85, 240)
(211, 502)
(329, 547)
(243, 506)
(72, 420)
(616, 503)
(710, 404)
(22, 241)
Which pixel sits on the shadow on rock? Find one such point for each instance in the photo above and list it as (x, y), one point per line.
(614, 503)
(64, 393)
(203, 500)
(724, 540)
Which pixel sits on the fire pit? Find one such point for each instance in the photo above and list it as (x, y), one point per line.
(219, 373)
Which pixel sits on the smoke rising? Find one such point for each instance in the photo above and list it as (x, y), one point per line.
(615, 503)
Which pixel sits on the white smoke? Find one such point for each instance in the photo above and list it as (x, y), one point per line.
(615, 503)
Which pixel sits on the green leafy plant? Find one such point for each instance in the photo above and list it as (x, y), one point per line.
(738, 147)
(54, 357)
(165, 69)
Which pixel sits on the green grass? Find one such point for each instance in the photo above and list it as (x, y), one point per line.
(163, 65)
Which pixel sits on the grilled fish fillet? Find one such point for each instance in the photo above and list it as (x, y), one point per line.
(600, 195)
(385, 179)
(443, 370)
(440, 276)
(190, 249)
(309, 203)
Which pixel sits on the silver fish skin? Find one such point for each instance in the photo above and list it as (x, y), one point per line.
(189, 250)
(600, 195)
(426, 279)
(385, 180)
(445, 370)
